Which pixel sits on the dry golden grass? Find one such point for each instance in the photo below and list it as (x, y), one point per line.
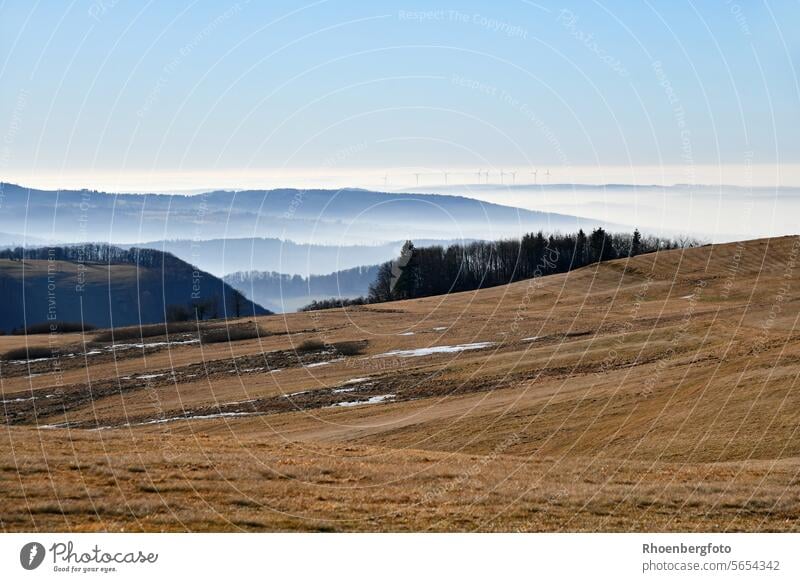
(660, 393)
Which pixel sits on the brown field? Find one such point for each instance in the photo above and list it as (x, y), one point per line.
(659, 394)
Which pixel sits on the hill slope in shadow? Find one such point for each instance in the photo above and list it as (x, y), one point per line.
(105, 294)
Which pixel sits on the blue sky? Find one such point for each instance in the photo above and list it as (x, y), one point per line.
(105, 87)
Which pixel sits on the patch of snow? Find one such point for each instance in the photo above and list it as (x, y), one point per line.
(406, 333)
(439, 328)
(149, 376)
(372, 400)
(241, 402)
(19, 362)
(153, 344)
(17, 400)
(356, 381)
(296, 393)
(435, 350)
(532, 338)
(317, 364)
(197, 417)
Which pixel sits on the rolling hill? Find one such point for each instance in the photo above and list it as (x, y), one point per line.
(131, 287)
(658, 393)
(330, 217)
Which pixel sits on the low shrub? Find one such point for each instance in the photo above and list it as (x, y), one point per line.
(55, 327)
(28, 353)
(350, 348)
(231, 333)
(310, 345)
(137, 332)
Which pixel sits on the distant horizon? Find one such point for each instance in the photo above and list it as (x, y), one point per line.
(756, 176)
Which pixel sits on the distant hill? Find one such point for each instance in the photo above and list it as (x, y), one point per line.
(280, 292)
(330, 217)
(272, 255)
(14, 240)
(102, 286)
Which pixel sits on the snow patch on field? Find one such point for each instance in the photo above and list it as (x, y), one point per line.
(199, 417)
(17, 400)
(317, 364)
(172, 419)
(295, 393)
(18, 362)
(371, 400)
(419, 352)
(152, 344)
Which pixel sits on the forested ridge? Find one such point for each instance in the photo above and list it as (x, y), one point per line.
(436, 270)
(103, 285)
(98, 253)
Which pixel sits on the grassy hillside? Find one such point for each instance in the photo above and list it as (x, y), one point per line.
(102, 294)
(656, 393)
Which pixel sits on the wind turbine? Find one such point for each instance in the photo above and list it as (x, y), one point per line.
(487, 176)
(385, 179)
(502, 175)
(547, 173)
(417, 175)
(445, 177)
(513, 177)
(534, 175)
(478, 173)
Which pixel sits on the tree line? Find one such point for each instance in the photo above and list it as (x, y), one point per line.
(437, 270)
(94, 253)
(224, 301)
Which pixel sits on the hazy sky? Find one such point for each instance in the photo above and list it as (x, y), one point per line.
(193, 94)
